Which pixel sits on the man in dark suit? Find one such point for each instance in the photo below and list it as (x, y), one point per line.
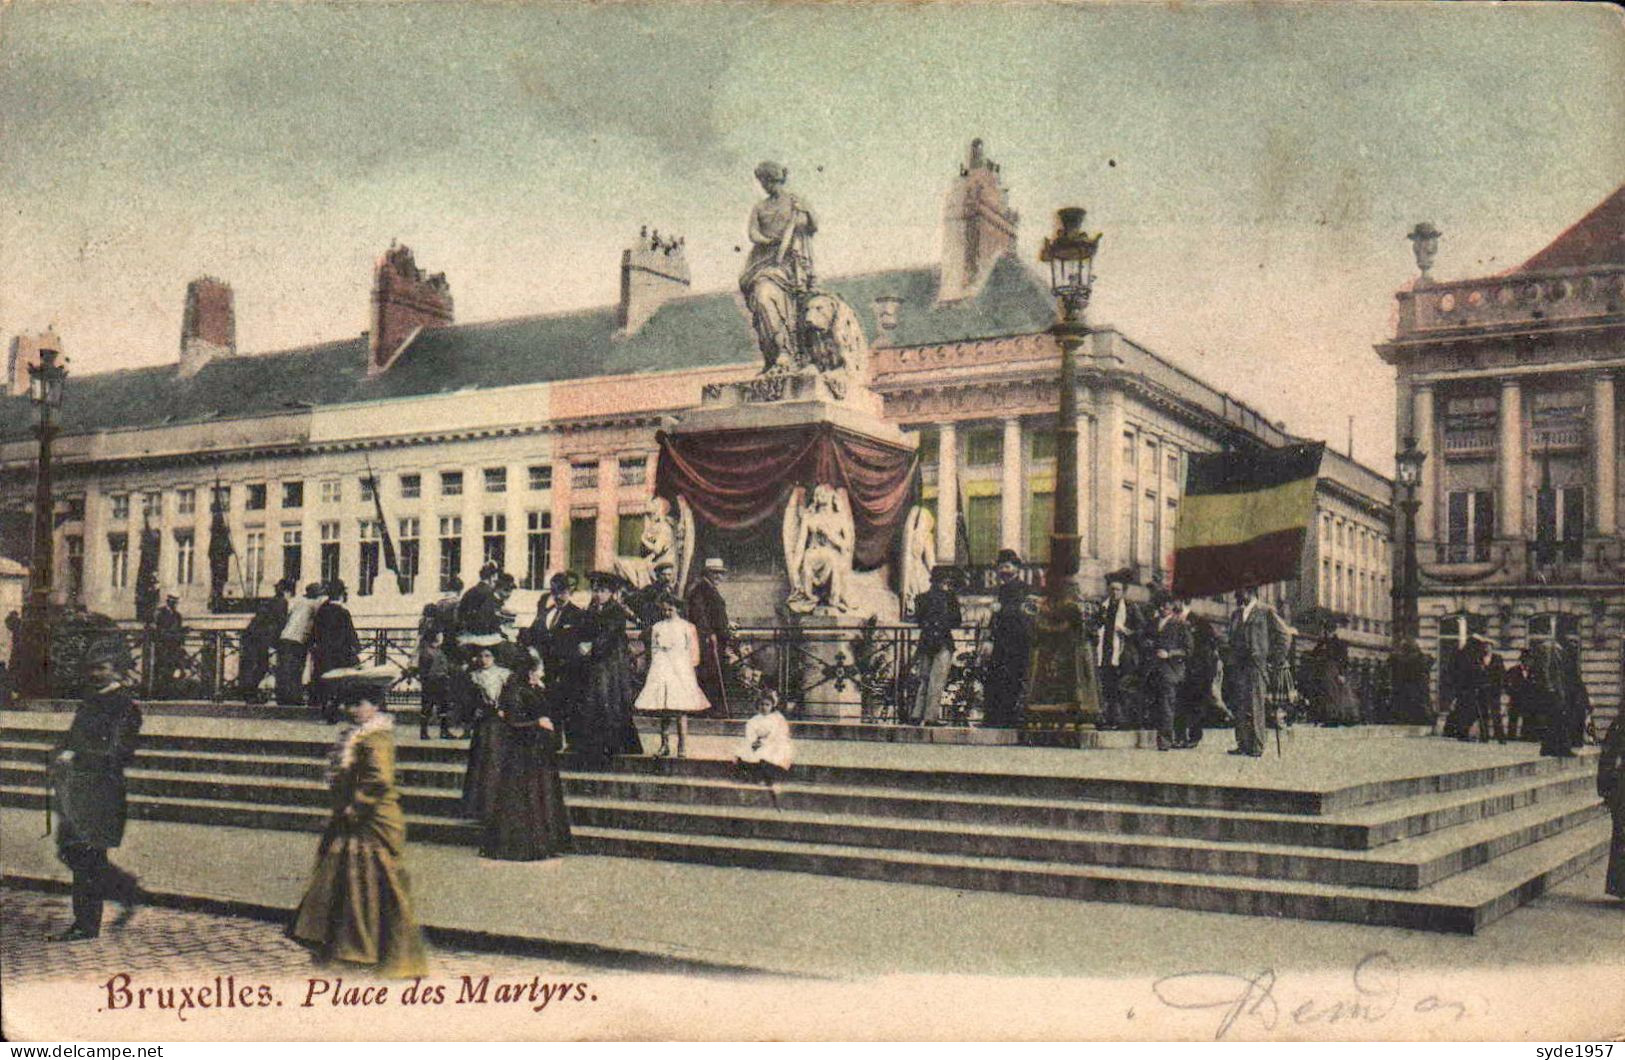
(1549, 697)
(1253, 650)
(1478, 701)
(1574, 686)
(334, 645)
(1196, 694)
(937, 612)
(557, 635)
(169, 648)
(1116, 654)
(479, 613)
(1005, 687)
(263, 629)
(708, 612)
(87, 779)
(1168, 643)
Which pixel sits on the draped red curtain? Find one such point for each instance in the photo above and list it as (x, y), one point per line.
(736, 479)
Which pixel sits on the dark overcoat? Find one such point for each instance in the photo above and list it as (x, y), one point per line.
(89, 785)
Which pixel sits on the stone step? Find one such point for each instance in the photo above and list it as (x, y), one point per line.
(1410, 863)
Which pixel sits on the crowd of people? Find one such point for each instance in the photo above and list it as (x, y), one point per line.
(1541, 698)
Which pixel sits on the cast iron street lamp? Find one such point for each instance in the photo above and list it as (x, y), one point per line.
(1408, 465)
(45, 381)
(1070, 254)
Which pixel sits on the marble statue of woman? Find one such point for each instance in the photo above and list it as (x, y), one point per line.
(658, 547)
(819, 540)
(779, 268)
(919, 555)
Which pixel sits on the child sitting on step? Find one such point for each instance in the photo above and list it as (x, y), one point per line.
(766, 753)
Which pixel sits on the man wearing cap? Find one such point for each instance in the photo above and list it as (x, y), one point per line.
(1170, 643)
(707, 611)
(1012, 635)
(1116, 654)
(334, 646)
(937, 612)
(87, 780)
(169, 646)
(293, 645)
(261, 631)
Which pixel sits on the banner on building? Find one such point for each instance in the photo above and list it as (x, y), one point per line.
(1243, 518)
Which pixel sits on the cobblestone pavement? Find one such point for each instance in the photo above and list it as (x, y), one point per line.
(174, 941)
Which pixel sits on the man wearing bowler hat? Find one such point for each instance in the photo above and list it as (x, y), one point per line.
(937, 612)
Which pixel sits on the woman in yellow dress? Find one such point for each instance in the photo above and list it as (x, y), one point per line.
(358, 908)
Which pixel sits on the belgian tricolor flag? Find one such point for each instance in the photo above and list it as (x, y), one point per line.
(1243, 518)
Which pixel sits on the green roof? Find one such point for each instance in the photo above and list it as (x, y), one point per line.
(696, 331)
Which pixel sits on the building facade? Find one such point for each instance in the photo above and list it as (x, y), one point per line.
(1508, 383)
(532, 441)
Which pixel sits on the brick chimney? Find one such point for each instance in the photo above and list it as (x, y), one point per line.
(25, 355)
(979, 227)
(209, 326)
(653, 271)
(404, 301)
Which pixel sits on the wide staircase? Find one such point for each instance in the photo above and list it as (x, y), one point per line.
(1448, 849)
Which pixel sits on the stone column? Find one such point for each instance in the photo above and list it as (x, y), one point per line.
(1011, 483)
(1108, 489)
(609, 510)
(1604, 458)
(947, 493)
(1427, 531)
(1509, 461)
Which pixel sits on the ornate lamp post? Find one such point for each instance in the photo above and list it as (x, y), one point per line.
(1070, 254)
(1408, 474)
(45, 383)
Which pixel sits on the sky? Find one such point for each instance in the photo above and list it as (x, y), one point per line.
(1254, 167)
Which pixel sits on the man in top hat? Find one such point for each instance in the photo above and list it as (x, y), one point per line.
(1012, 633)
(707, 611)
(334, 646)
(559, 633)
(87, 780)
(1170, 643)
(294, 643)
(261, 632)
(937, 612)
(1116, 651)
(169, 646)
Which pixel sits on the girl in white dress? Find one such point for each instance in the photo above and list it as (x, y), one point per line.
(766, 753)
(672, 690)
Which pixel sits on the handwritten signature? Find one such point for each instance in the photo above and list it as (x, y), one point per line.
(1376, 989)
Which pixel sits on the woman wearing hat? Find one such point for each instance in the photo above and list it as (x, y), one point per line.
(672, 689)
(525, 818)
(357, 908)
(606, 727)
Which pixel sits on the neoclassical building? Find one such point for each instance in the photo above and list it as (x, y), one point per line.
(1509, 384)
(532, 440)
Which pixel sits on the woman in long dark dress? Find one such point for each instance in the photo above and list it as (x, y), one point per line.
(526, 819)
(478, 692)
(607, 728)
(358, 908)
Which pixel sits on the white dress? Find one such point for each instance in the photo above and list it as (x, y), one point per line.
(671, 687)
(767, 739)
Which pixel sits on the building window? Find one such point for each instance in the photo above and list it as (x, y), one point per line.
(368, 483)
(1553, 627)
(1558, 419)
(119, 506)
(982, 528)
(1560, 522)
(293, 553)
(1148, 553)
(293, 494)
(255, 499)
(494, 545)
(1040, 521)
(634, 470)
(1173, 484)
(253, 561)
(185, 557)
(411, 487)
(1130, 451)
(583, 477)
(538, 548)
(628, 535)
(1041, 443)
(76, 565)
(152, 504)
(496, 480)
(583, 542)
(330, 551)
(451, 483)
(1471, 526)
(410, 553)
(118, 567)
(220, 498)
(451, 549)
(332, 491)
(367, 567)
(541, 476)
(1470, 423)
(984, 449)
(186, 502)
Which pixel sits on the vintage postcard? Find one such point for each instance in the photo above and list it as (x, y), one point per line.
(783, 521)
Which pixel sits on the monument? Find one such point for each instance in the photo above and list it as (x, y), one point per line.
(791, 477)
